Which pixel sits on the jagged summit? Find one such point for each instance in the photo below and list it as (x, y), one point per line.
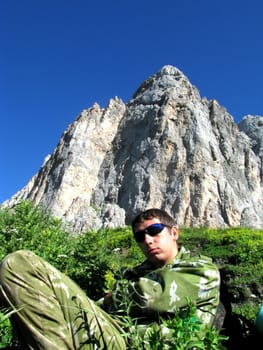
(169, 78)
(167, 147)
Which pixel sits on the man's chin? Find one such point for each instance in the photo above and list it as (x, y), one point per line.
(156, 260)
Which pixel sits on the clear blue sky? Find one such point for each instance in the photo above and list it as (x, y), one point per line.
(58, 57)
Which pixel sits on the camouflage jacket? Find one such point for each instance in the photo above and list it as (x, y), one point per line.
(149, 293)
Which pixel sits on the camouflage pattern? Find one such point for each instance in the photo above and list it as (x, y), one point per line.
(57, 314)
(151, 292)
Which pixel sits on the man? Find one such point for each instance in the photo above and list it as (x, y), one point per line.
(54, 313)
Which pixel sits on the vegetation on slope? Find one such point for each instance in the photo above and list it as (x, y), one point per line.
(94, 258)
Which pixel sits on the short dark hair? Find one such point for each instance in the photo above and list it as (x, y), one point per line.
(149, 214)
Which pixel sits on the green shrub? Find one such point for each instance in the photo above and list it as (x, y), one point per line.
(94, 258)
(7, 339)
(239, 254)
(29, 227)
(182, 332)
(6, 334)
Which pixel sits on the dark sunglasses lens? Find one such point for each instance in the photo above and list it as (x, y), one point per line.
(139, 237)
(152, 230)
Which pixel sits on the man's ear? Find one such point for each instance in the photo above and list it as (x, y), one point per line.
(175, 232)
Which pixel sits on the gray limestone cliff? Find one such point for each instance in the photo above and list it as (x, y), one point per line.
(167, 148)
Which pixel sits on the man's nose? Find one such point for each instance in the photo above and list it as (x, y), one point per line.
(147, 238)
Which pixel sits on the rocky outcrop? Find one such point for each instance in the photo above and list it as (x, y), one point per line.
(168, 148)
(253, 127)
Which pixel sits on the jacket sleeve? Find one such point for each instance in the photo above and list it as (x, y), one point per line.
(166, 290)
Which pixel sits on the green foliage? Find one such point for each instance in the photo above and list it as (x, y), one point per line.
(6, 331)
(239, 254)
(29, 227)
(182, 332)
(6, 334)
(94, 258)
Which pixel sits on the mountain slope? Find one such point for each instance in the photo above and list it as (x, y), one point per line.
(167, 147)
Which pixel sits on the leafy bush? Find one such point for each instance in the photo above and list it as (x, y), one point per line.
(7, 339)
(182, 332)
(29, 227)
(239, 254)
(93, 258)
(6, 335)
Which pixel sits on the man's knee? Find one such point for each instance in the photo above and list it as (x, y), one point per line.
(14, 261)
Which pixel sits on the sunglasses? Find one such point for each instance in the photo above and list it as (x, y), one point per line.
(152, 230)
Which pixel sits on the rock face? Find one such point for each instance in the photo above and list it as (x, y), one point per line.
(167, 148)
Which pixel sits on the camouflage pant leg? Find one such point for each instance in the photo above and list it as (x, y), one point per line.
(55, 313)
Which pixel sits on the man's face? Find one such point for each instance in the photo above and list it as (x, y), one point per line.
(161, 248)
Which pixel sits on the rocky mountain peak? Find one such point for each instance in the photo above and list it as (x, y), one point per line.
(168, 81)
(168, 148)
